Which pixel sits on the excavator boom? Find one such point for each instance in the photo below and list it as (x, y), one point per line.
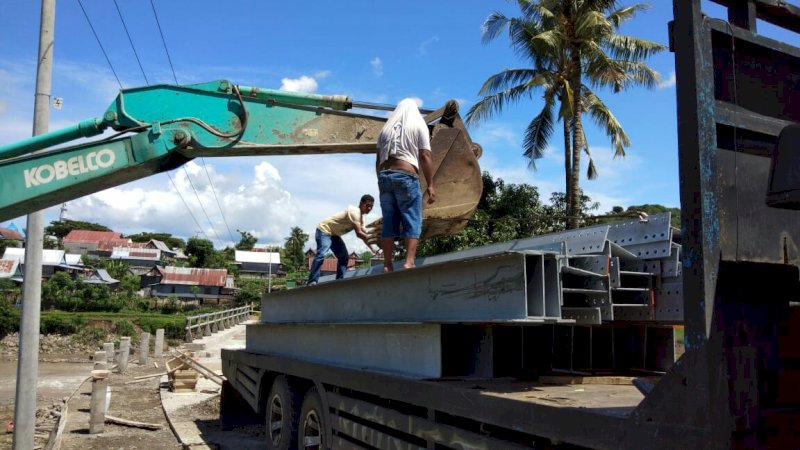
(165, 126)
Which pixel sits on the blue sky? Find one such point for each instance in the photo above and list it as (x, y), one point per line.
(372, 51)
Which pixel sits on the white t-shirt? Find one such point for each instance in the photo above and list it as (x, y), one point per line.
(404, 134)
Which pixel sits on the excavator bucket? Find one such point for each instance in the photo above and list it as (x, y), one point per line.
(456, 175)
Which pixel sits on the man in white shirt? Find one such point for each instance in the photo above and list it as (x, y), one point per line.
(329, 237)
(404, 148)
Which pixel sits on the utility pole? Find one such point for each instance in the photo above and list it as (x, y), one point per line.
(28, 365)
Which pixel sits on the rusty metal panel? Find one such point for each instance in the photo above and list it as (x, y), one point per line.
(191, 275)
(91, 237)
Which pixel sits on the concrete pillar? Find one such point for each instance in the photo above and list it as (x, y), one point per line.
(207, 331)
(188, 337)
(144, 348)
(124, 350)
(100, 360)
(97, 408)
(109, 348)
(159, 349)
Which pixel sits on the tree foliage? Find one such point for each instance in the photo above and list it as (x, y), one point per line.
(293, 248)
(247, 241)
(202, 254)
(572, 46)
(619, 213)
(506, 211)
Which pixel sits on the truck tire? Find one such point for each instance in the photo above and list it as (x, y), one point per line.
(313, 429)
(282, 413)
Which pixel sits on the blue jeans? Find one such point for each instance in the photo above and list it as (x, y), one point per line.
(327, 242)
(401, 203)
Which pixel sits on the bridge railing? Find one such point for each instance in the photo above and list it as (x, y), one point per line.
(206, 324)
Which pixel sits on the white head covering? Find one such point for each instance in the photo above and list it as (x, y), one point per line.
(404, 134)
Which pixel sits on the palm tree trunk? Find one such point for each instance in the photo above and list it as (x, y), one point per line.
(574, 199)
(567, 164)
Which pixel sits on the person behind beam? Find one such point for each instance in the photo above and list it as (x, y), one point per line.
(404, 148)
(329, 237)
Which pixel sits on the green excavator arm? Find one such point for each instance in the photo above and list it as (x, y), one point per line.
(162, 127)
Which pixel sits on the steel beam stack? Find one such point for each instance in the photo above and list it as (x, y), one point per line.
(596, 276)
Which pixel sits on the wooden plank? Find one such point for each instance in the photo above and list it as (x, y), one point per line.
(567, 379)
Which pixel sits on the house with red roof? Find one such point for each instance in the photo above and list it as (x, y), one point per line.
(190, 284)
(89, 242)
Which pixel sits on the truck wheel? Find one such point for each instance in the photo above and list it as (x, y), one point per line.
(282, 408)
(312, 423)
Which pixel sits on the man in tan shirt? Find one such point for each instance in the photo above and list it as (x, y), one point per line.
(329, 237)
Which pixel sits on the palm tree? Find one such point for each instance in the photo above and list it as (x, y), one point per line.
(572, 45)
(293, 247)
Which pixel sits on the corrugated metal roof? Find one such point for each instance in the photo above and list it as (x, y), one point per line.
(100, 276)
(49, 257)
(73, 259)
(8, 233)
(160, 245)
(330, 264)
(193, 276)
(90, 237)
(108, 246)
(152, 254)
(258, 257)
(8, 267)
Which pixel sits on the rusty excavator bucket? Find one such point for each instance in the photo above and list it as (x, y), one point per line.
(456, 175)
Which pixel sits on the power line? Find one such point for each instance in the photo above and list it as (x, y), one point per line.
(202, 160)
(201, 205)
(131, 41)
(163, 41)
(213, 191)
(100, 44)
(186, 204)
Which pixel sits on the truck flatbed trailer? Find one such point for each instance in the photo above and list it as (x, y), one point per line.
(454, 354)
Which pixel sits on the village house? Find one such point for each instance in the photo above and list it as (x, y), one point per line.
(167, 253)
(140, 260)
(259, 264)
(88, 242)
(189, 284)
(101, 276)
(329, 264)
(52, 261)
(9, 269)
(9, 234)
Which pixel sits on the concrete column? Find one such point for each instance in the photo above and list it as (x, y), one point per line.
(100, 360)
(97, 408)
(144, 348)
(207, 332)
(124, 350)
(159, 349)
(109, 348)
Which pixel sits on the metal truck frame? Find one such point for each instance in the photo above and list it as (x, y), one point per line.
(736, 385)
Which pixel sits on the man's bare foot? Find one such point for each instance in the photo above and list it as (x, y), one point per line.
(409, 266)
(387, 269)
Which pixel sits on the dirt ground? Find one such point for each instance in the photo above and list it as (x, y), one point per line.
(131, 399)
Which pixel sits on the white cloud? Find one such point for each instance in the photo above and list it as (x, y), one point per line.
(377, 66)
(320, 74)
(304, 84)
(423, 47)
(497, 134)
(669, 82)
